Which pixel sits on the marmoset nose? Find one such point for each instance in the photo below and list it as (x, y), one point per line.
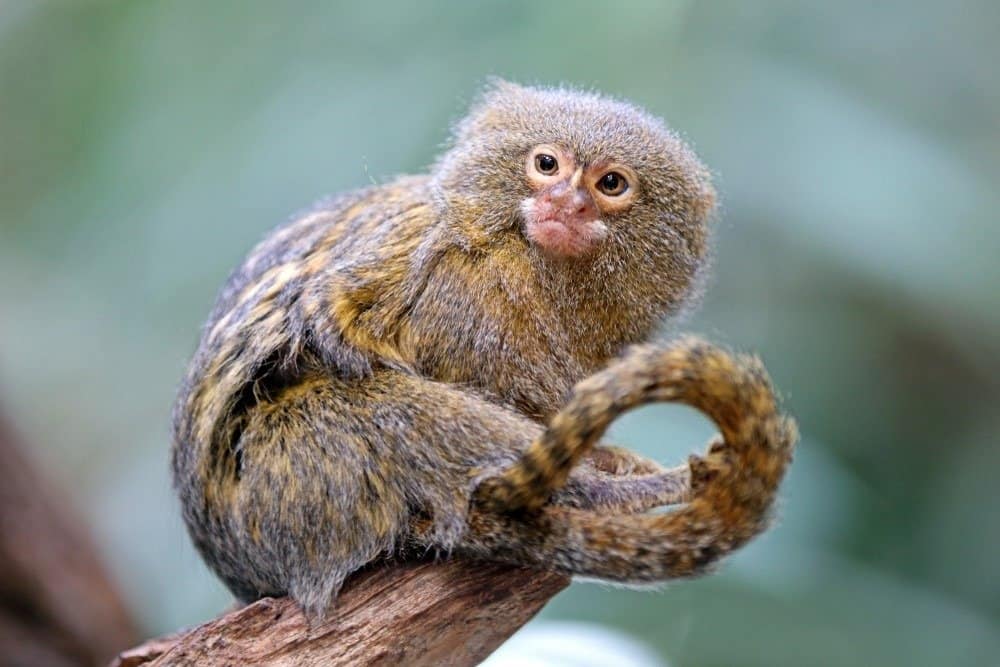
(571, 201)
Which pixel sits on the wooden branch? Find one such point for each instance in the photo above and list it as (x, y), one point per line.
(453, 612)
(58, 606)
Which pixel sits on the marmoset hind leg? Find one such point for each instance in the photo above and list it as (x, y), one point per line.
(620, 480)
(732, 487)
(641, 483)
(591, 488)
(331, 474)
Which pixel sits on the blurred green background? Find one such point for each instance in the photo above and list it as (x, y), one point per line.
(145, 146)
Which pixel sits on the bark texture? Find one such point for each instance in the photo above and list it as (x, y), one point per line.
(453, 612)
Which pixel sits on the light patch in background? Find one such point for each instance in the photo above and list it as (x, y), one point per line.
(570, 644)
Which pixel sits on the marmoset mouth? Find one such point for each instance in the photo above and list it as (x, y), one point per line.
(558, 237)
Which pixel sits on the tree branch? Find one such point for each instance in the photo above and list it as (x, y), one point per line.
(58, 606)
(453, 612)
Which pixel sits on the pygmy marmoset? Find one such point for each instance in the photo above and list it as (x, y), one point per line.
(424, 365)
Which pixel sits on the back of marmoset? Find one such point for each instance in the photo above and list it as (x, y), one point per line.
(430, 363)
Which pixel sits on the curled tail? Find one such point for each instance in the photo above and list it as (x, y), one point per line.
(733, 484)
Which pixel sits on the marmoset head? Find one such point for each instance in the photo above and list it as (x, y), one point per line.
(579, 175)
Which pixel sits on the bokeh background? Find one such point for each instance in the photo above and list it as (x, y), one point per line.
(146, 146)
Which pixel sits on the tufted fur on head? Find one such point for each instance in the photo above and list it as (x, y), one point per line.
(508, 119)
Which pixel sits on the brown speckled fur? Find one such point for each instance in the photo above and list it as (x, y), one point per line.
(399, 369)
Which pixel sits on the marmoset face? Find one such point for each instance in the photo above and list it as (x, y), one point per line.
(564, 215)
